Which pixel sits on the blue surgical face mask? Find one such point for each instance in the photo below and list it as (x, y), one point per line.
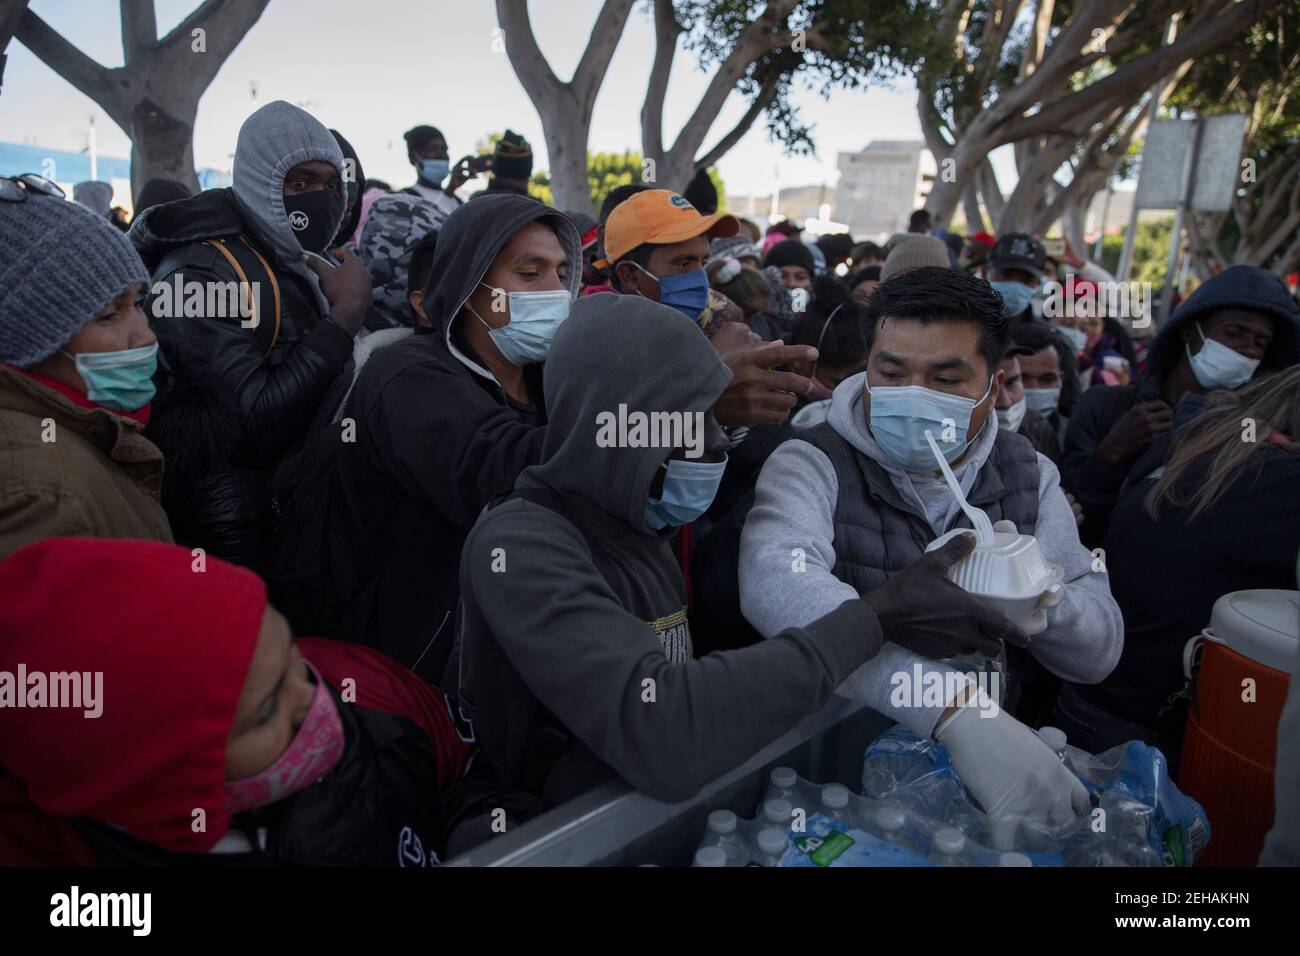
(434, 170)
(534, 319)
(689, 489)
(121, 380)
(1217, 366)
(1042, 401)
(1076, 337)
(1015, 296)
(687, 292)
(901, 415)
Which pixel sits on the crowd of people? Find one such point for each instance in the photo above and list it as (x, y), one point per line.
(391, 520)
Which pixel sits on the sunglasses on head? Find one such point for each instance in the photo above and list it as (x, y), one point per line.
(17, 188)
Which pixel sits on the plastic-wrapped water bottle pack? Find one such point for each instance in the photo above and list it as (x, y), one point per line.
(913, 811)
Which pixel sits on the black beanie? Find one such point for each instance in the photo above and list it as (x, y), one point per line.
(158, 191)
(701, 193)
(790, 252)
(417, 137)
(513, 157)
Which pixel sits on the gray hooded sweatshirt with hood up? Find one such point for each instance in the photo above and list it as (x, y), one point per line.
(794, 508)
(583, 614)
(271, 142)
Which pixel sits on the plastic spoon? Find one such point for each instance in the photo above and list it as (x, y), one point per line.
(983, 526)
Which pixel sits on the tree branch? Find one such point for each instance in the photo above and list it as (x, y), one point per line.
(738, 131)
(754, 41)
(667, 30)
(591, 69)
(139, 29)
(535, 74)
(1200, 39)
(225, 23)
(90, 78)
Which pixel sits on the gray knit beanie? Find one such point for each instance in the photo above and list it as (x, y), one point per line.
(909, 254)
(62, 264)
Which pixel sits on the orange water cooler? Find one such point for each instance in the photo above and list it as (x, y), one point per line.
(1241, 666)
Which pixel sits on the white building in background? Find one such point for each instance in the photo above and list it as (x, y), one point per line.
(881, 185)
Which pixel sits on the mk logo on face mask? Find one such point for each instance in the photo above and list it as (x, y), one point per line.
(298, 221)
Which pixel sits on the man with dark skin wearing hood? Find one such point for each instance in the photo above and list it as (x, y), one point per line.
(253, 323)
(576, 658)
(1241, 323)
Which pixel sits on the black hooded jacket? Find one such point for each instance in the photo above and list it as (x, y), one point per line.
(271, 389)
(1244, 287)
(372, 518)
(270, 376)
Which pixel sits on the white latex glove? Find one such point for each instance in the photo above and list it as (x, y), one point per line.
(1037, 622)
(1016, 777)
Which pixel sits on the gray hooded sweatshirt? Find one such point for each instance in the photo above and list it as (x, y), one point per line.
(584, 613)
(271, 142)
(794, 508)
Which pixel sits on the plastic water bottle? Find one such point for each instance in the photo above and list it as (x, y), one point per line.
(883, 773)
(1014, 859)
(949, 845)
(770, 846)
(710, 856)
(893, 824)
(724, 833)
(778, 813)
(782, 783)
(1055, 738)
(835, 801)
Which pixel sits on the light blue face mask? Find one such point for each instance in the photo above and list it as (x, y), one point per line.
(434, 170)
(534, 319)
(1015, 296)
(121, 380)
(900, 416)
(689, 489)
(1076, 337)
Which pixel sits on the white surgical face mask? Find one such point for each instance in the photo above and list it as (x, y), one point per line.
(1010, 418)
(1076, 337)
(1042, 401)
(1217, 366)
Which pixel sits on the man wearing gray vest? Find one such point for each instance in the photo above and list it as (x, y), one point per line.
(843, 507)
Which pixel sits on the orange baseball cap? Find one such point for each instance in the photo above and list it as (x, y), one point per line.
(660, 216)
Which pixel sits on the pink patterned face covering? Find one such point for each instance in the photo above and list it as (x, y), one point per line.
(313, 752)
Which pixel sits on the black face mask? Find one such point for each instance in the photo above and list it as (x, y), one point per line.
(311, 217)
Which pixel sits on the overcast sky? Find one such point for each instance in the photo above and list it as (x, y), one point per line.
(373, 70)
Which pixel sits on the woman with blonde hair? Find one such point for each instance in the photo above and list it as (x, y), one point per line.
(1213, 507)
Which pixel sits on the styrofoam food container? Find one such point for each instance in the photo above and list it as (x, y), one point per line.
(1009, 574)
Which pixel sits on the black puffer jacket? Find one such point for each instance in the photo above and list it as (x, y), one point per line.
(271, 380)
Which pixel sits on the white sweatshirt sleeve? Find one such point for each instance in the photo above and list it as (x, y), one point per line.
(786, 556)
(1085, 632)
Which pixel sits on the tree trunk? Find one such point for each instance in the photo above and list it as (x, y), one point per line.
(566, 143)
(970, 203)
(162, 146)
